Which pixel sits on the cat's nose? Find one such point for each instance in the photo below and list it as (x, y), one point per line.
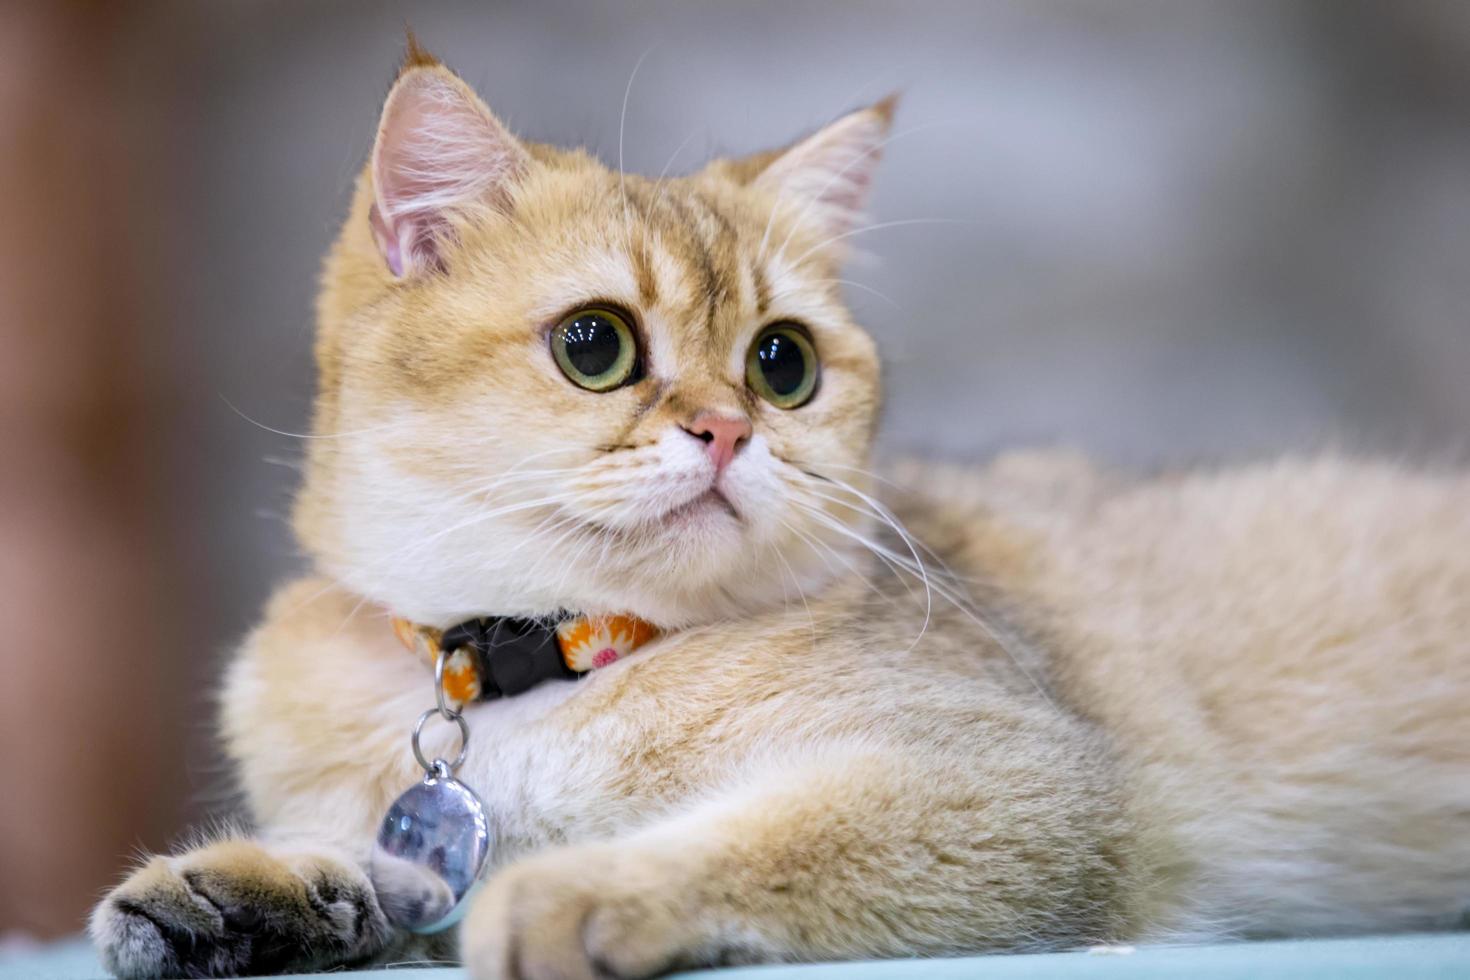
(723, 435)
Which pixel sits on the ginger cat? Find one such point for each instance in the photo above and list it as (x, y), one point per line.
(1031, 706)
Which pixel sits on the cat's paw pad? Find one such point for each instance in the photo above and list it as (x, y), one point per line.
(587, 912)
(233, 908)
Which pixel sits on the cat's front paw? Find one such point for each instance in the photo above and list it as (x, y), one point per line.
(595, 912)
(235, 908)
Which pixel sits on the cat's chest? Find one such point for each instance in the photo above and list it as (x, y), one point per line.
(565, 761)
(544, 779)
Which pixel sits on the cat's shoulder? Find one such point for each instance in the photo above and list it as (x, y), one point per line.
(323, 665)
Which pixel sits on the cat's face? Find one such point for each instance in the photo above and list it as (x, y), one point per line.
(546, 386)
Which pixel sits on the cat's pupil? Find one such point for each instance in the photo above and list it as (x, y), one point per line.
(593, 344)
(782, 363)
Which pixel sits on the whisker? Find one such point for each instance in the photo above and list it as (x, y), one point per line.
(868, 289)
(814, 543)
(954, 597)
(305, 435)
(672, 157)
(878, 227)
(622, 124)
(801, 593)
(840, 485)
(413, 548)
(962, 604)
(877, 148)
(781, 188)
(887, 517)
(657, 184)
(918, 568)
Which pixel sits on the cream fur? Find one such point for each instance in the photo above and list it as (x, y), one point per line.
(1200, 705)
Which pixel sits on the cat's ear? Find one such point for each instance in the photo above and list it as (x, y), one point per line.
(439, 151)
(830, 173)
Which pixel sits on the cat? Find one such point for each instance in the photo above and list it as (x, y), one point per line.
(1032, 705)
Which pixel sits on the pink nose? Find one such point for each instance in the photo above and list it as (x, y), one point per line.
(722, 436)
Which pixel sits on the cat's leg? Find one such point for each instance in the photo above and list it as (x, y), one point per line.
(857, 857)
(240, 906)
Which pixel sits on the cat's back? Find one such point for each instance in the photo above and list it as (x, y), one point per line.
(1272, 647)
(1348, 574)
(1255, 572)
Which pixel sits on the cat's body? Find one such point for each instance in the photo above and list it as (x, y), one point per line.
(1211, 705)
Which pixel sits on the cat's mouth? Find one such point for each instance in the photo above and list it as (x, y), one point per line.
(708, 512)
(711, 503)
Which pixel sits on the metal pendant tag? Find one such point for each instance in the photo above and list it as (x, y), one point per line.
(430, 852)
(434, 843)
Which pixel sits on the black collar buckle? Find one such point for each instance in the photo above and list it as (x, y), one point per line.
(511, 654)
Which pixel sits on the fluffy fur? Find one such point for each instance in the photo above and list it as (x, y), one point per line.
(1063, 707)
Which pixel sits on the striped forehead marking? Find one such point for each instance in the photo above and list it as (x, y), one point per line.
(701, 239)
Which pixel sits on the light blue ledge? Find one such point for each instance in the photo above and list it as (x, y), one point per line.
(1420, 957)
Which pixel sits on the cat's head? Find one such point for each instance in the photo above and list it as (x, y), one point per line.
(545, 385)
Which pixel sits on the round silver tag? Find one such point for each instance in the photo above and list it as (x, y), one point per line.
(430, 852)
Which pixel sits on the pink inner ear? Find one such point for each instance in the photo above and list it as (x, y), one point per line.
(830, 173)
(438, 150)
(413, 243)
(387, 242)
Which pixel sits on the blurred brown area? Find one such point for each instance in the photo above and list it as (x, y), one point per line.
(1180, 231)
(89, 752)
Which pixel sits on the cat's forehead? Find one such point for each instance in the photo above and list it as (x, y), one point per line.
(688, 254)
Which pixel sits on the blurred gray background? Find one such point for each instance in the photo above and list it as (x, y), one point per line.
(1176, 231)
(1190, 230)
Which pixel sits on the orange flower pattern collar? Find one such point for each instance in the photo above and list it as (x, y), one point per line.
(503, 656)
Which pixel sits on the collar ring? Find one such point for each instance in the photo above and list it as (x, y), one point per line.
(432, 768)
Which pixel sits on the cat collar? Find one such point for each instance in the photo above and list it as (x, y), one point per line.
(502, 656)
(437, 831)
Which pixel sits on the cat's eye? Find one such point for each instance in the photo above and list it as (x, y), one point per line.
(595, 348)
(782, 365)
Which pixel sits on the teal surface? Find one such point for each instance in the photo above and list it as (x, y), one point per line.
(1438, 956)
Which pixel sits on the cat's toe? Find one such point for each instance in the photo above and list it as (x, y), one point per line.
(582, 913)
(233, 908)
(131, 943)
(153, 925)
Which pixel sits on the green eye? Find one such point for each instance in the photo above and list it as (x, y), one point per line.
(782, 366)
(595, 348)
